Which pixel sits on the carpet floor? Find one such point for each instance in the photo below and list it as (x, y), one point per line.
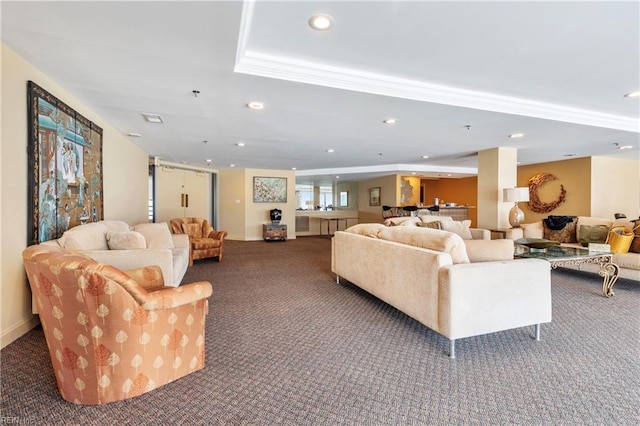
(287, 345)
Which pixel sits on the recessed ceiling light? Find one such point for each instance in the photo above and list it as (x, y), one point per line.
(208, 160)
(330, 150)
(293, 168)
(321, 22)
(413, 173)
(337, 177)
(240, 144)
(134, 135)
(632, 95)
(625, 147)
(255, 105)
(424, 157)
(152, 118)
(232, 165)
(516, 135)
(390, 121)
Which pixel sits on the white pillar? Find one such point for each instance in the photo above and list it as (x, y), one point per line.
(497, 169)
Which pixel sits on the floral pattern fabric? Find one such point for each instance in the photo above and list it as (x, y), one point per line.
(114, 335)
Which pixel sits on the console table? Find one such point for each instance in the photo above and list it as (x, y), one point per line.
(273, 232)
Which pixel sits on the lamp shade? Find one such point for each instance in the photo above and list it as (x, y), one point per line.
(515, 195)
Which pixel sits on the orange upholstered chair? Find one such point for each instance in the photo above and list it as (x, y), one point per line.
(113, 335)
(204, 241)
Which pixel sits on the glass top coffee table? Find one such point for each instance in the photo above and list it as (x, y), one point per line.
(558, 255)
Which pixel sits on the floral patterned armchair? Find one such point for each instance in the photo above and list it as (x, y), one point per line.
(113, 335)
(204, 241)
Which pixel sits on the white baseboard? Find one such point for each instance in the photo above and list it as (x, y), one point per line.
(10, 335)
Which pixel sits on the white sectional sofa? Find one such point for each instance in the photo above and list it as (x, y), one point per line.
(629, 263)
(129, 247)
(456, 288)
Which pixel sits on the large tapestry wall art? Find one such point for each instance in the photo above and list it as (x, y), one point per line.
(269, 190)
(65, 167)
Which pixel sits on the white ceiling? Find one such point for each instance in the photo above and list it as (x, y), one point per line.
(556, 71)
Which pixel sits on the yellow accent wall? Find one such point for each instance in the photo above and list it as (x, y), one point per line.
(463, 191)
(596, 186)
(124, 166)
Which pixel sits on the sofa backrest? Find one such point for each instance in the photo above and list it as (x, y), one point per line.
(433, 239)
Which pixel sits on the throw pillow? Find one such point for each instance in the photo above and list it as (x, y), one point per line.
(156, 235)
(635, 244)
(193, 230)
(564, 234)
(433, 225)
(129, 240)
(593, 234)
(90, 236)
(460, 228)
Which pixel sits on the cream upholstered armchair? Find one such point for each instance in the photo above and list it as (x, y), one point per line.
(113, 335)
(204, 241)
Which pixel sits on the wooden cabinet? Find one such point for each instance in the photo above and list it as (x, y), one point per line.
(182, 193)
(272, 232)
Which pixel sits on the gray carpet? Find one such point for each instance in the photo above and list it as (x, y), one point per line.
(287, 345)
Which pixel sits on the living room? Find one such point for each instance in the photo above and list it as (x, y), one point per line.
(599, 184)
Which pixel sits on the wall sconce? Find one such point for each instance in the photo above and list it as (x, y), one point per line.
(515, 195)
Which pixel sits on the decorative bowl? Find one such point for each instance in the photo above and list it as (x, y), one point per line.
(536, 243)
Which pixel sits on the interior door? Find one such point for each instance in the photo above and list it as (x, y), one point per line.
(198, 195)
(169, 190)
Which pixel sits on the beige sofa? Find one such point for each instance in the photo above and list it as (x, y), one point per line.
(629, 263)
(126, 247)
(457, 288)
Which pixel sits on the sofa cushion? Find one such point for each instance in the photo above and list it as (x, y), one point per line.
(128, 240)
(592, 234)
(590, 221)
(458, 227)
(435, 224)
(565, 235)
(431, 218)
(433, 239)
(116, 225)
(205, 243)
(193, 230)
(402, 221)
(90, 236)
(635, 244)
(366, 229)
(156, 235)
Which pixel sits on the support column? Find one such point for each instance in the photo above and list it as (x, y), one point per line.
(497, 169)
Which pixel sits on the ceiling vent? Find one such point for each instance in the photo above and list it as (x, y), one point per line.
(152, 118)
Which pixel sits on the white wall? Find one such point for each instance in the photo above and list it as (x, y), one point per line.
(608, 198)
(124, 184)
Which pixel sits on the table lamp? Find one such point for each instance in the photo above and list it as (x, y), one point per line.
(515, 195)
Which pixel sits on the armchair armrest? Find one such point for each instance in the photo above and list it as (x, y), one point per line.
(172, 297)
(217, 235)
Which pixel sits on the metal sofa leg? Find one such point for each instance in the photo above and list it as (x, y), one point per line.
(537, 331)
(452, 348)
(337, 279)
